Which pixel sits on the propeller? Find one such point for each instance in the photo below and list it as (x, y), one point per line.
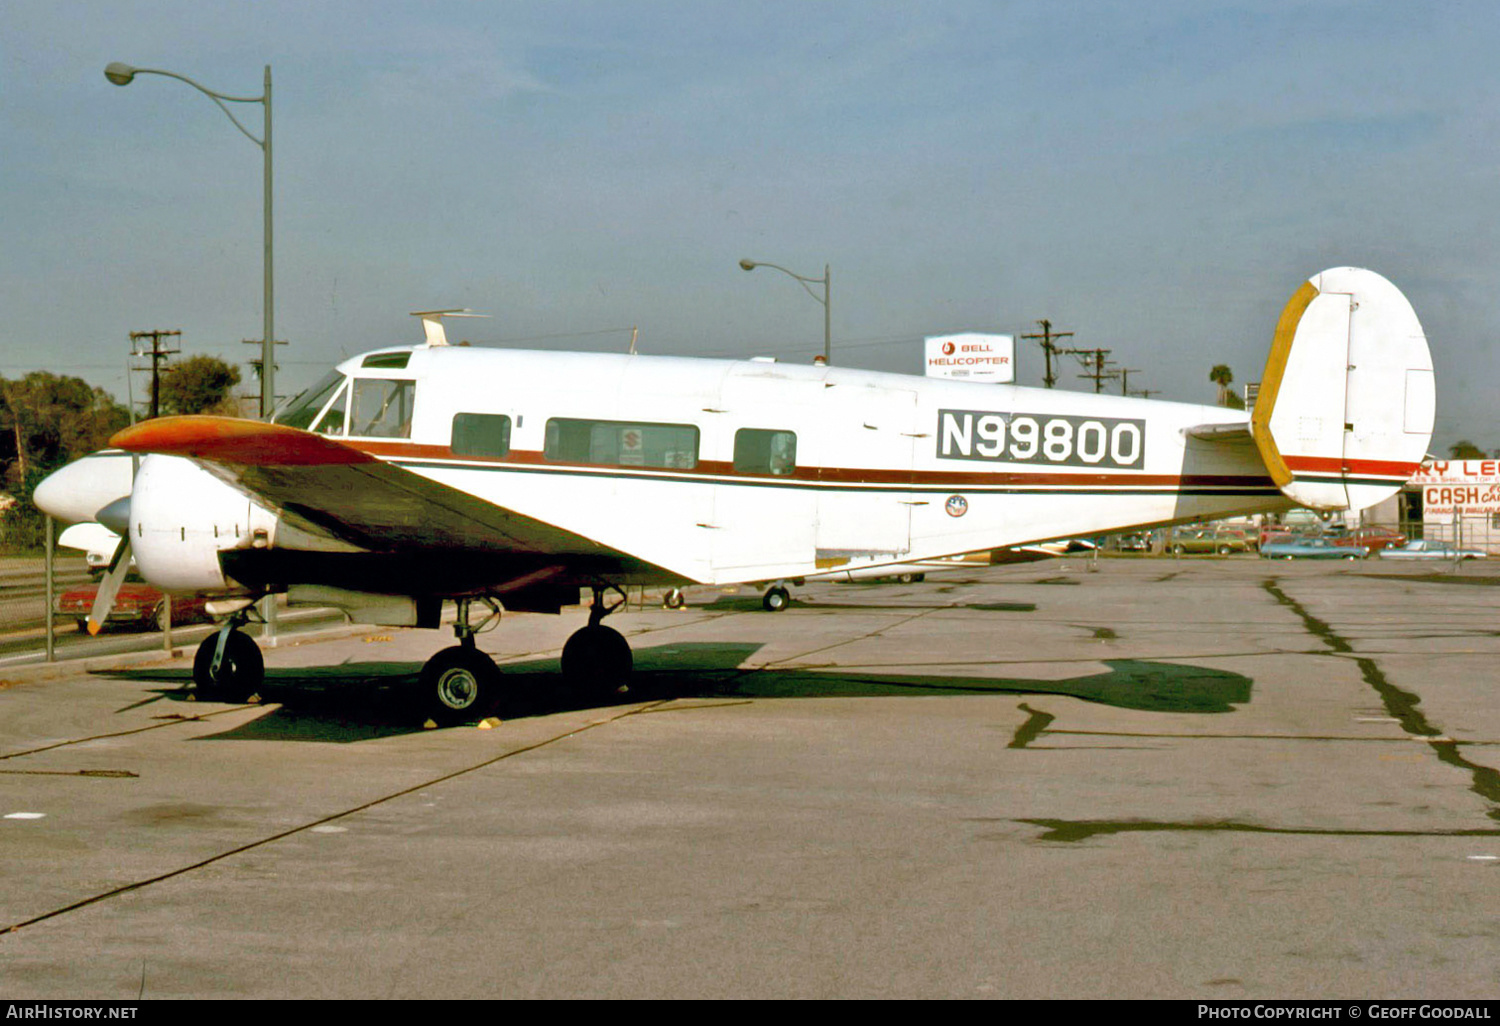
(116, 517)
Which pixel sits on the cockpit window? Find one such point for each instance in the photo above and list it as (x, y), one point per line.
(332, 422)
(300, 410)
(382, 408)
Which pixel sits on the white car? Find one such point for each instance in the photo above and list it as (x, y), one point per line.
(1426, 548)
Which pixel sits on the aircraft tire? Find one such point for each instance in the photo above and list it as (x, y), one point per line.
(597, 658)
(674, 599)
(776, 599)
(241, 671)
(458, 684)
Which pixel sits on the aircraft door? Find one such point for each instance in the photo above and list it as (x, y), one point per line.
(865, 474)
(764, 503)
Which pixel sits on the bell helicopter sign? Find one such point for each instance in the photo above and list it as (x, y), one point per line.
(972, 356)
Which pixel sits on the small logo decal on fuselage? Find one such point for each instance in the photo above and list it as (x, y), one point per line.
(956, 505)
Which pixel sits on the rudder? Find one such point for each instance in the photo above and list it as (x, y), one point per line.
(1347, 401)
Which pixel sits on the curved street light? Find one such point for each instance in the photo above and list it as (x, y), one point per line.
(122, 75)
(750, 265)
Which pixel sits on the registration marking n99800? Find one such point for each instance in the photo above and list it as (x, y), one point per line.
(1050, 439)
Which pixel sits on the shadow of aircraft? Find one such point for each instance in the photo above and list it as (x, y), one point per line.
(362, 701)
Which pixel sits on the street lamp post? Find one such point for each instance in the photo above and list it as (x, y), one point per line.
(750, 265)
(122, 75)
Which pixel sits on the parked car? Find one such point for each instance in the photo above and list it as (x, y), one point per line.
(1373, 538)
(1207, 539)
(1424, 548)
(137, 605)
(1311, 548)
(1133, 541)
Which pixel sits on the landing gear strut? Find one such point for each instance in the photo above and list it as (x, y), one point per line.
(461, 683)
(596, 657)
(228, 666)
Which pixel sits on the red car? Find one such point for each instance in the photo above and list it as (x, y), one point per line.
(137, 605)
(1372, 538)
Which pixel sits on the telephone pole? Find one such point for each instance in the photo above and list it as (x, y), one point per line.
(1049, 347)
(1096, 358)
(1124, 376)
(157, 355)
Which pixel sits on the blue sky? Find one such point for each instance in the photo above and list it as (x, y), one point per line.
(1156, 177)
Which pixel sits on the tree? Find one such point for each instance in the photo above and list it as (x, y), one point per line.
(1463, 449)
(199, 384)
(47, 421)
(1222, 376)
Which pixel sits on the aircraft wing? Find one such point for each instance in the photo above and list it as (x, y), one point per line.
(354, 496)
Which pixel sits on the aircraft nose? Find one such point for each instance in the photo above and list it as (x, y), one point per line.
(75, 493)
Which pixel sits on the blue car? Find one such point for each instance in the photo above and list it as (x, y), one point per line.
(1311, 548)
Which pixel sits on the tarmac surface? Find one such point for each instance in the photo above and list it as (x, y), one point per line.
(1198, 778)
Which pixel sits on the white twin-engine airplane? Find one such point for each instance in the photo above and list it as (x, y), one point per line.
(413, 475)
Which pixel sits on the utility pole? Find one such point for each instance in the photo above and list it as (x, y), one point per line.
(157, 355)
(1049, 347)
(1124, 375)
(1096, 358)
(255, 368)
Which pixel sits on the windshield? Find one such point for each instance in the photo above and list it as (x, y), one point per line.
(299, 411)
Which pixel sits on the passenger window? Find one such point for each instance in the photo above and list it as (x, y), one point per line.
(622, 444)
(332, 422)
(382, 408)
(764, 452)
(481, 434)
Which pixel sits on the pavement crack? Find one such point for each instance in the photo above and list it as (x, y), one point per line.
(1399, 704)
(1036, 722)
(1070, 830)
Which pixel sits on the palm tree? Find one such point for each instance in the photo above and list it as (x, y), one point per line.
(1221, 375)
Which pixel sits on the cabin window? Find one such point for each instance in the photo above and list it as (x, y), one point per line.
(481, 434)
(621, 443)
(332, 422)
(305, 405)
(757, 451)
(382, 408)
(387, 361)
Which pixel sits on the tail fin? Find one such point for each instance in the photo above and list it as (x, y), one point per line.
(1347, 401)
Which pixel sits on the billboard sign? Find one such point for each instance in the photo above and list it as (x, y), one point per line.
(972, 356)
(1465, 488)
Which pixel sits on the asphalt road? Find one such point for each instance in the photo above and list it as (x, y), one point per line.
(1197, 778)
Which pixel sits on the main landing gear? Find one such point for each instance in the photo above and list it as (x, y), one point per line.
(228, 666)
(597, 658)
(461, 683)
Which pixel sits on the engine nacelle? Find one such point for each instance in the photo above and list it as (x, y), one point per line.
(182, 517)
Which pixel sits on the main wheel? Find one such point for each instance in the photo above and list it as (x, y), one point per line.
(597, 658)
(776, 599)
(674, 599)
(241, 671)
(458, 684)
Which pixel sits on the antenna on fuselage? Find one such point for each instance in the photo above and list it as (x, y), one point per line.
(432, 323)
